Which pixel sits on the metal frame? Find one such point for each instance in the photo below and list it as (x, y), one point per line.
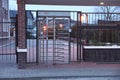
(79, 44)
(36, 53)
(54, 38)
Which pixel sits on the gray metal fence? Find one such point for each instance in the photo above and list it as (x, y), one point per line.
(7, 42)
(99, 37)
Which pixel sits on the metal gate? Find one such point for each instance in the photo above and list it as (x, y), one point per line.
(7, 42)
(53, 45)
(99, 37)
(49, 39)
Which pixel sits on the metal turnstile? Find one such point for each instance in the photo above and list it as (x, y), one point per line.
(53, 45)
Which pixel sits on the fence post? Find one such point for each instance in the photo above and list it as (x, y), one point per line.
(21, 49)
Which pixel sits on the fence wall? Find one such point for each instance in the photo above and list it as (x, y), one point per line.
(99, 37)
(7, 42)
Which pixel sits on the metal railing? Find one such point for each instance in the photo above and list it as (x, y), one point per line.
(7, 42)
(97, 29)
(49, 39)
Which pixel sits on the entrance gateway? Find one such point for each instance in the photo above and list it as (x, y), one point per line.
(61, 37)
(53, 37)
(21, 21)
(50, 41)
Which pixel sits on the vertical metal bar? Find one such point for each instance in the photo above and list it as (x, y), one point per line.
(72, 38)
(6, 40)
(4, 28)
(27, 37)
(43, 39)
(40, 44)
(69, 22)
(47, 40)
(37, 40)
(77, 35)
(54, 37)
(25, 30)
(79, 14)
(34, 51)
(80, 38)
(10, 41)
(80, 44)
(16, 38)
(2, 41)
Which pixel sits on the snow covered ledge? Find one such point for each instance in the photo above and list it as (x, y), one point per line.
(21, 50)
(102, 47)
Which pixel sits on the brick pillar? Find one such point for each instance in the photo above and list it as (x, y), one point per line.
(21, 49)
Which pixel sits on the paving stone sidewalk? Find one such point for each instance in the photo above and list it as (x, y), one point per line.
(11, 71)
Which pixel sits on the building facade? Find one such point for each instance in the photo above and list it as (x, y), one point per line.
(4, 17)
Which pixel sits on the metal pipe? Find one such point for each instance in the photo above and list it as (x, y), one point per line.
(54, 30)
(47, 40)
(37, 48)
(40, 39)
(69, 47)
(43, 40)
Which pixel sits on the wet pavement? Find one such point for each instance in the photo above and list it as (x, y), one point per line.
(73, 78)
(81, 71)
